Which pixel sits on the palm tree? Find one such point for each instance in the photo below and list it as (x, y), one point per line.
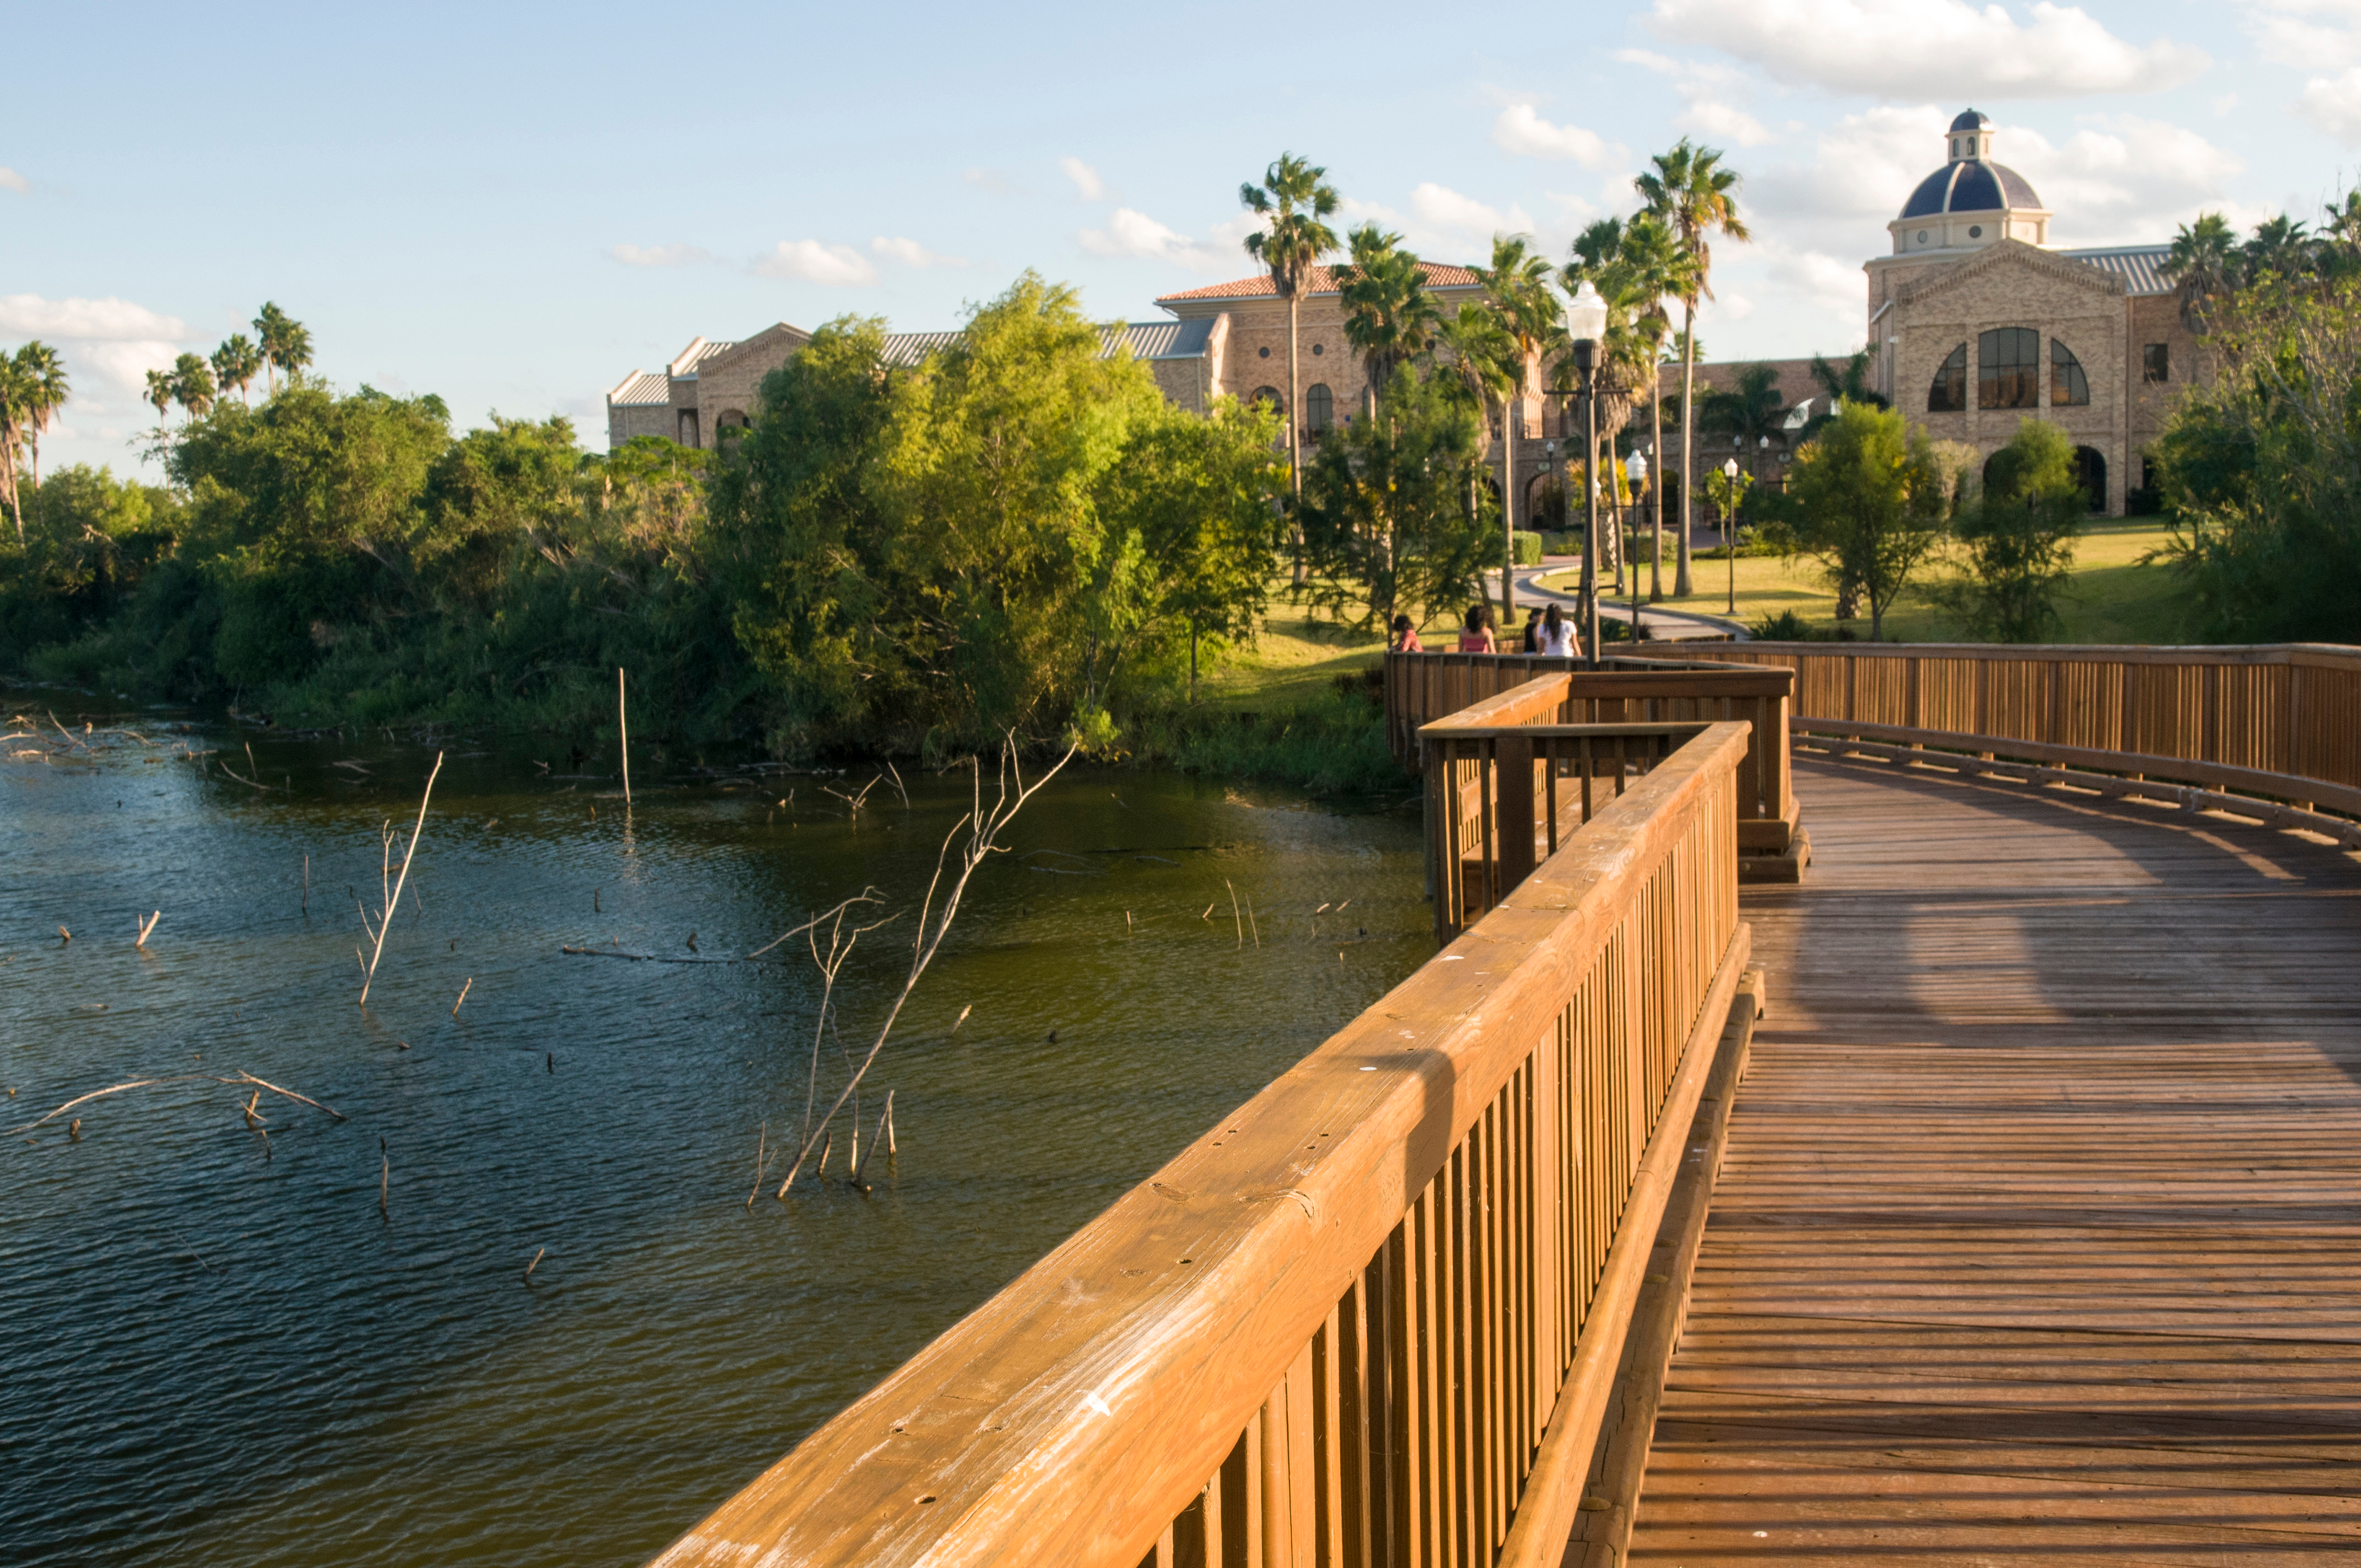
(159, 394)
(44, 391)
(1389, 318)
(1532, 330)
(286, 343)
(2203, 263)
(1690, 190)
(236, 363)
(15, 415)
(193, 386)
(1294, 204)
(1747, 411)
(1635, 267)
(2279, 248)
(1476, 372)
(1840, 386)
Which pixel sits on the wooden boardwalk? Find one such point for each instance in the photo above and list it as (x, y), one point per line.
(2038, 1238)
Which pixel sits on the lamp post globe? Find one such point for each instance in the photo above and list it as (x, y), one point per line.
(1586, 324)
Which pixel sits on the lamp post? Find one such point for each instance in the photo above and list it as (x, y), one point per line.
(1635, 467)
(1729, 525)
(1586, 324)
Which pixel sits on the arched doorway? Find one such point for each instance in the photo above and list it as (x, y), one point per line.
(2090, 466)
(1545, 509)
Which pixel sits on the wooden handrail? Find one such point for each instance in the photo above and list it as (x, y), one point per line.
(1366, 1316)
(1420, 688)
(2282, 721)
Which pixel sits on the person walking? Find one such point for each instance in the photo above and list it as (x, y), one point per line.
(1557, 635)
(1534, 630)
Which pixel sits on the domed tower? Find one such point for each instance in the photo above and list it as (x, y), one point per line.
(1971, 201)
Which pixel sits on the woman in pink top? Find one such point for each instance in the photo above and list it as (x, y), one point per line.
(1406, 637)
(1477, 638)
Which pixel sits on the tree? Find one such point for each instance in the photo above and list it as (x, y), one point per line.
(2203, 263)
(2019, 536)
(1532, 334)
(1475, 374)
(16, 417)
(1635, 267)
(1840, 385)
(2261, 469)
(1294, 203)
(44, 389)
(159, 394)
(2278, 249)
(1868, 500)
(236, 363)
(1389, 318)
(1747, 411)
(286, 343)
(1384, 525)
(193, 386)
(1691, 192)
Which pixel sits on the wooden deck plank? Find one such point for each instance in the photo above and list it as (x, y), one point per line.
(2039, 1232)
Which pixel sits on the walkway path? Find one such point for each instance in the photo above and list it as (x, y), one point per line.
(2039, 1235)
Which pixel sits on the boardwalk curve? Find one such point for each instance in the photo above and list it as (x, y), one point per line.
(2038, 1236)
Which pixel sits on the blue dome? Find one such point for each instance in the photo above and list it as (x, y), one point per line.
(1971, 185)
(1971, 121)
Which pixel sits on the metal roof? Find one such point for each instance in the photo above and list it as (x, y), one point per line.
(1146, 340)
(2141, 267)
(641, 389)
(698, 352)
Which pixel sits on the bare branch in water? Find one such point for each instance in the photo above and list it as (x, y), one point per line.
(242, 1077)
(393, 900)
(983, 824)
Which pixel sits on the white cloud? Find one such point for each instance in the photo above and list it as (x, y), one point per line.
(12, 180)
(1130, 234)
(991, 180)
(29, 315)
(123, 365)
(1941, 48)
(910, 253)
(2333, 104)
(2310, 34)
(1731, 306)
(677, 254)
(1447, 209)
(1715, 96)
(811, 261)
(1086, 179)
(1520, 130)
(2117, 180)
(1708, 116)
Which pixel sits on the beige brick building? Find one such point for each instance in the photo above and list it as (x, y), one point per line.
(1974, 324)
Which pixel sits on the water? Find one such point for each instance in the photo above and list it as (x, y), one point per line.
(215, 1349)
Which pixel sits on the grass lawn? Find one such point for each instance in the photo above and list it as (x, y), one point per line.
(1294, 659)
(2111, 598)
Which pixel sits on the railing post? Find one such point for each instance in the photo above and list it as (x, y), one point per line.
(1513, 760)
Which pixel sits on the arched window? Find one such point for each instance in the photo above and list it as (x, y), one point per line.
(2091, 465)
(1949, 392)
(1269, 396)
(2008, 368)
(2069, 387)
(1319, 407)
(687, 428)
(730, 421)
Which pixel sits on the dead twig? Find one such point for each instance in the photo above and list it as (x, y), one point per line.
(1234, 914)
(623, 736)
(533, 1265)
(463, 996)
(241, 1078)
(146, 926)
(385, 921)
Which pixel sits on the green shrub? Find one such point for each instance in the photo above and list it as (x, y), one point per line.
(1529, 548)
(1784, 627)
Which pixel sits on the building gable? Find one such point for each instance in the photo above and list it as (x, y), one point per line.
(2006, 265)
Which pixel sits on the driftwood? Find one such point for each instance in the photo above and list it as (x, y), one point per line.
(242, 1079)
(385, 921)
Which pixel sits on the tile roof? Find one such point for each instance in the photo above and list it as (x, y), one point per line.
(1439, 275)
(2141, 267)
(641, 389)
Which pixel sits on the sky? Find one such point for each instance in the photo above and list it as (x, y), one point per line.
(514, 208)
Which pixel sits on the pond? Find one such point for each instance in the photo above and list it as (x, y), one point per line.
(219, 1347)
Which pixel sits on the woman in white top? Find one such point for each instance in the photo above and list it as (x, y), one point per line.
(1557, 635)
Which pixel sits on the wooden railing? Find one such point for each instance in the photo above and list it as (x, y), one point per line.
(1371, 1317)
(2279, 723)
(1423, 688)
